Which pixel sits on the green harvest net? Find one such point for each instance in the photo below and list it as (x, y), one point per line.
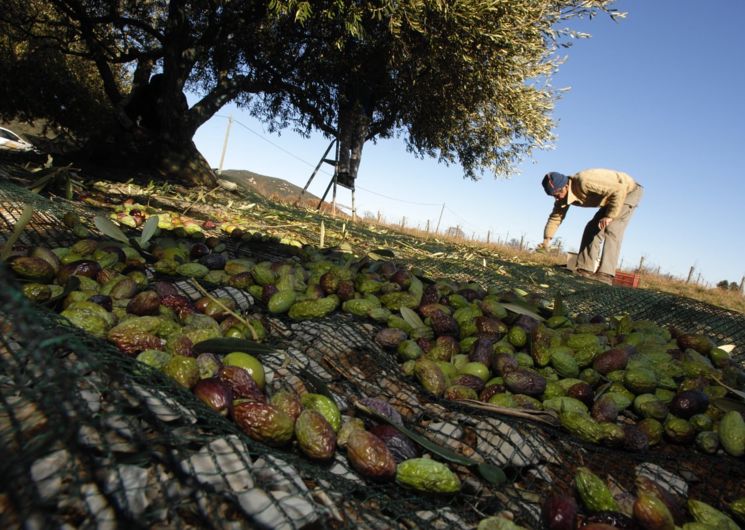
(91, 438)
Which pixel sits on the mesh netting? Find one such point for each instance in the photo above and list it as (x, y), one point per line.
(690, 315)
(94, 439)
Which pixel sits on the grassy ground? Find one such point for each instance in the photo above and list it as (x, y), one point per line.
(648, 279)
(288, 194)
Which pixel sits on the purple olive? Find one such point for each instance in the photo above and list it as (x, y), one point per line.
(216, 394)
(689, 402)
(383, 408)
(399, 445)
(165, 288)
(240, 381)
(559, 512)
(208, 365)
(102, 300)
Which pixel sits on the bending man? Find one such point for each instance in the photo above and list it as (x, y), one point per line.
(616, 196)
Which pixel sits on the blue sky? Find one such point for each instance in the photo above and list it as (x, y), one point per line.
(658, 95)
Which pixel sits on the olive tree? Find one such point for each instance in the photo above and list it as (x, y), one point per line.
(145, 54)
(464, 82)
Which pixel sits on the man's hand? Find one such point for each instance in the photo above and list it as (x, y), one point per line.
(604, 222)
(544, 247)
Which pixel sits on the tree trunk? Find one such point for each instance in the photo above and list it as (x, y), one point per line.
(138, 152)
(153, 137)
(353, 127)
(184, 163)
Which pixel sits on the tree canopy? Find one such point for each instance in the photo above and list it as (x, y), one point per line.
(465, 82)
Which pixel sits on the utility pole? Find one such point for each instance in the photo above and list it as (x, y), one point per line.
(690, 275)
(225, 144)
(437, 229)
(641, 264)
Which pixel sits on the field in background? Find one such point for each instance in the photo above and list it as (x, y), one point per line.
(283, 192)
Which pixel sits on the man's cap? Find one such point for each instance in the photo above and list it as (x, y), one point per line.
(553, 182)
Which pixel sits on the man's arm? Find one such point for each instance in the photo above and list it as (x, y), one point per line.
(555, 219)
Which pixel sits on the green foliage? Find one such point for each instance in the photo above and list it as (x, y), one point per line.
(465, 82)
(46, 82)
(732, 286)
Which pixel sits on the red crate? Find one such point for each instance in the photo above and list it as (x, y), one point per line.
(626, 279)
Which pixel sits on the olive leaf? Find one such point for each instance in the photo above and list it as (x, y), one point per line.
(411, 318)
(489, 472)
(148, 230)
(109, 229)
(736, 392)
(729, 404)
(23, 220)
(516, 308)
(381, 253)
(416, 288)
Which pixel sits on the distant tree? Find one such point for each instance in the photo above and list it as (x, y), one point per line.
(725, 284)
(516, 243)
(455, 232)
(557, 245)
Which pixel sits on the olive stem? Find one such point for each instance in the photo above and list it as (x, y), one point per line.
(202, 290)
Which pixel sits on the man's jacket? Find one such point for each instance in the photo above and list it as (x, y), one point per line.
(592, 188)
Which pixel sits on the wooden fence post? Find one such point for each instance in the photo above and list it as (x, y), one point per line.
(690, 275)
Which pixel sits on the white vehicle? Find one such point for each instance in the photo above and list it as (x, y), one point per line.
(10, 141)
